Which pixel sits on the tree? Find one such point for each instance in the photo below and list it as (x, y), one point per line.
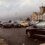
(28, 19)
(10, 21)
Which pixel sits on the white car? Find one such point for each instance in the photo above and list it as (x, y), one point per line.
(24, 24)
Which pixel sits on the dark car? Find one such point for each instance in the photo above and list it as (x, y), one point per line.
(1, 24)
(7, 25)
(37, 30)
(16, 24)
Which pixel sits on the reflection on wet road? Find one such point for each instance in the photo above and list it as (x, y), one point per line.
(17, 36)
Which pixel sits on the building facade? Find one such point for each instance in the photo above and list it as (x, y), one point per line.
(34, 16)
(39, 15)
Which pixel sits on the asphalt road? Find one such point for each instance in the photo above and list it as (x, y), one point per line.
(17, 36)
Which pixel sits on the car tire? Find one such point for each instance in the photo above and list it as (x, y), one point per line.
(28, 34)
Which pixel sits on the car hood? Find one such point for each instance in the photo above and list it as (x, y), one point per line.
(40, 24)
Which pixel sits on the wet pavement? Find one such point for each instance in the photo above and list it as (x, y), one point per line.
(17, 36)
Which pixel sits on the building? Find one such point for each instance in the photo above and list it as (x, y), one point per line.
(42, 12)
(34, 16)
(42, 9)
(39, 15)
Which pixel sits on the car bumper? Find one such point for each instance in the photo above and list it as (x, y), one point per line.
(39, 36)
(37, 33)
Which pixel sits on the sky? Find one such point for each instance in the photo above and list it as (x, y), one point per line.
(17, 8)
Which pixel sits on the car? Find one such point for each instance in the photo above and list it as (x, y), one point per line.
(7, 25)
(33, 22)
(16, 24)
(37, 30)
(24, 23)
(1, 24)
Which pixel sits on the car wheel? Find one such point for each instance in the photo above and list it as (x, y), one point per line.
(28, 34)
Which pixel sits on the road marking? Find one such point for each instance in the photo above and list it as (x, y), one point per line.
(42, 44)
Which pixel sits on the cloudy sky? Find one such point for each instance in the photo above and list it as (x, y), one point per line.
(15, 8)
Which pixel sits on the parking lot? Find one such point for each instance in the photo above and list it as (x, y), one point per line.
(17, 36)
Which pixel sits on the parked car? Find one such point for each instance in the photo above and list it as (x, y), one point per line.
(16, 24)
(37, 30)
(7, 24)
(33, 22)
(24, 24)
(1, 24)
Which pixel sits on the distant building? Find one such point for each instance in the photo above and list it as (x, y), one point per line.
(34, 16)
(44, 16)
(39, 15)
(42, 9)
(42, 12)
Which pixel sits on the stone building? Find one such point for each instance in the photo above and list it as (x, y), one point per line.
(39, 15)
(34, 16)
(42, 12)
(42, 9)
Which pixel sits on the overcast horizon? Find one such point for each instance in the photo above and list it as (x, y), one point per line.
(19, 8)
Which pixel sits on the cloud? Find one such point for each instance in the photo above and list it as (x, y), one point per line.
(18, 7)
